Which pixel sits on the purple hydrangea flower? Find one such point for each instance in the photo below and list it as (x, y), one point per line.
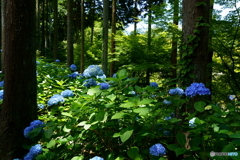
(157, 150)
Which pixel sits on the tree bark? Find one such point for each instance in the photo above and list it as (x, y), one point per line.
(82, 37)
(69, 32)
(19, 102)
(105, 36)
(55, 39)
(112, 65)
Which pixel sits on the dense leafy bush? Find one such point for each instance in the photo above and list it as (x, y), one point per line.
(116, 119)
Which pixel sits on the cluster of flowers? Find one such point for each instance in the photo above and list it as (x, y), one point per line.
(1, 83)
(33, 152)
(73, 67)
(1, 94)
(153, 84)
(97, 158)
(57, 98)
(93, 71)
(157, 150)
(191, 91)
(34, 124)
(74, 75)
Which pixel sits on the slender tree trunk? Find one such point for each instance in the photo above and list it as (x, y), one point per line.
(70, 32)
(55, 43)
(92, 25)
(82, 37)
(174, 40)
(112, 66)
(105, 36)
(149, 41)
(136, 14)
(43, 30)
(37, 26)
(19, 102)
(3, 3)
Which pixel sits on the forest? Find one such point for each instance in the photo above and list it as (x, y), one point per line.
(75, 85)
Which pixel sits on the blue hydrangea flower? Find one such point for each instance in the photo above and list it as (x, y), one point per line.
(176, 91)
(154, 84)
(231, 97)
(197, 89)
(73, 67)
(101, 77)
(67, 93)
(89, 82)
(55, 99)
(57, 60)
(157, 150)
(167, 102)
(1, 94)
(33, 152)
(1, 83)
(97, 158)
(41, 106)
(191, 122)
(104, 85)
(93, 71)
(114, 75)
(132, 92)
(74, 75)
(16, 159)
(34, 124)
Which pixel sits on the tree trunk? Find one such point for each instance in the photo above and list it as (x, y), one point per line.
(92, 24)
(69, 32)
(112, 66)
(3, 3)
(82, 37)
(105, 36)
(174, 41)
(19, 102)
(55, 36)
(43, 30)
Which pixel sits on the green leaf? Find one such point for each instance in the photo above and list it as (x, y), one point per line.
(199, 106)
(145, 101)
(116, 135)
(234, 135)
(133, 152)
(101, 116)
(93, 91)
(127, 105)
(48, 133)
(172, 147)
(66, 114)
(51, 143)
(82, 123)
(229, 148)
(35, 132)
(87, 126)
(236, 141)
(235, 124)
(125, 134)
(78, 158)
(195, 141)
(181, 139)
(118, 115)
(122, 74)
(142, 111)
(180, 151)
(65, 129)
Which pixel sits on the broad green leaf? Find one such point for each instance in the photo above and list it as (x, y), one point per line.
(199, 106)
(174, 120)
(118, 115)
(35, 132)
(145, 101)
(225, 131)
(172, 147)
(122, 74)
(66, 114)
(120, 158)
(180, 151)
(181, 139)
(51, 143)
(101, 116)
(234, 135)
(82, 123)
(127, 105)
(235, 124)
(93, 91)
(125, 134)
(65, 129)
(78, 158)
(133, 152)
(48, 133)
(87, 126)
(229, 148)
(195, 141)
(236, 141)
(116, 135)
(112, 97)
(142, 111)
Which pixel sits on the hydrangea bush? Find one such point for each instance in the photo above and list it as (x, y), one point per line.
(124, 121)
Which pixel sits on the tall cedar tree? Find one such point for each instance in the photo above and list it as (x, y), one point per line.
(19, 103)
(69, 32)
(105, 36)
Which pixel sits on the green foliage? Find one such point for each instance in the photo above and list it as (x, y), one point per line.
(117, 124)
